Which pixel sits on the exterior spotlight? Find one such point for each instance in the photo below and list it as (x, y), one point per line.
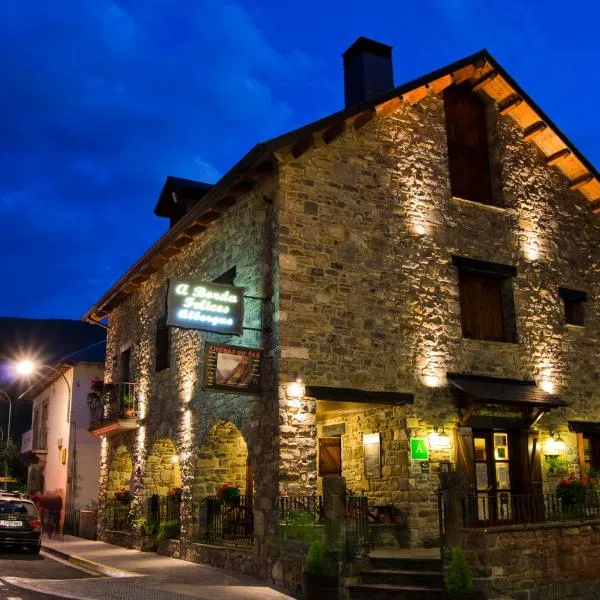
(295, 390)
(174, 459)
(439, 439)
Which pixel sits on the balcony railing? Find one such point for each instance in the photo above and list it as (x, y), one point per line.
(504, 508)
(117, 516)
(116, 403)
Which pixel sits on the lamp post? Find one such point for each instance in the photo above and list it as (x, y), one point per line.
(7, 437)
(27, 367)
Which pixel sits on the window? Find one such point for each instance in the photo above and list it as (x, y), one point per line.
(330, 456)
(227, 277)
(486, 300)
(574, 306)
(468, 154)
(589, 449)
(125, 365)
(163, 345)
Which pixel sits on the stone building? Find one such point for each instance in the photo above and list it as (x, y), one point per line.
(419, 275)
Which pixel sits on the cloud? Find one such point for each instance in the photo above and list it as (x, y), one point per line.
(100, 102)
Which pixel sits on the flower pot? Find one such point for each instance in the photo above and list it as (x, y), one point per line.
(318, 587)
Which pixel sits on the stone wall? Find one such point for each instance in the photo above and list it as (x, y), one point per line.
(369, 296)
(162, 468)
(542, 561)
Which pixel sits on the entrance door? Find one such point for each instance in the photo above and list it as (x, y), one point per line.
(492, 452)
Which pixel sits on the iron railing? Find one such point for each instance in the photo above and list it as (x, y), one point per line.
(312, 505)
(356, 529)
(504, 508)
(118, 401)
(229, 522)
(164, 508)
(117, 516)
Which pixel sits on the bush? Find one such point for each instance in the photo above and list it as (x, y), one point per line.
(146, 526)
(573, 491)
(315, 561)
(168, 531)
(458, 577)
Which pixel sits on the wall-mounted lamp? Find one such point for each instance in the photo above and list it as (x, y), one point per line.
(555, 445)
(439, 439)
(295, 389)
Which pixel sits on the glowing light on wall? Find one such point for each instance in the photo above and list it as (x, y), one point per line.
(439, 439)
(554, 445)
(531, 246)
(547, 386)
(295, 389)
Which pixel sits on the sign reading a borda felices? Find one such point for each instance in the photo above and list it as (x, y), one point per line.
(208, 306)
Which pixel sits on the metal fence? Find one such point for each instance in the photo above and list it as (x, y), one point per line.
(118, 401)
(227, 522)
(117, 516)
(356, 517)
(164, 508)
(486, 510)
(311, 505)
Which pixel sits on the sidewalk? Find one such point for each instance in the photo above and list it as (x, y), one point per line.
(129, 574)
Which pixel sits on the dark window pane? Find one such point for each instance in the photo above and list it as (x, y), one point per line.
(163, 345)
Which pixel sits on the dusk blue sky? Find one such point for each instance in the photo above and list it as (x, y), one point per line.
(101, 100)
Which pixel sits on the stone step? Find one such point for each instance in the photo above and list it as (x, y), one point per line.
(406, 563)
(403, 577)
(382, 591)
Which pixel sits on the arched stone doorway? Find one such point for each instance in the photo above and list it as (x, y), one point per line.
(163, 473)
(119, 473)
(223, 460)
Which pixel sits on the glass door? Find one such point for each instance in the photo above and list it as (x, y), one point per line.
(492, 457)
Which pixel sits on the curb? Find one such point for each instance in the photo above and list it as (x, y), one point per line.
(90, 564)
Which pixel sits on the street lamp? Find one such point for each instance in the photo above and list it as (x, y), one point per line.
(7, 437)
(27, 367)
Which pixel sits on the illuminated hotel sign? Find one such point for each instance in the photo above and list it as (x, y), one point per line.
(207, 306)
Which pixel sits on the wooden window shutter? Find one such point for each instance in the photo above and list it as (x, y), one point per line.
(490, 309)
(330, 456)
(468, 154)
(163, 345)
(469, 305)
(535, 464)
(595, 451)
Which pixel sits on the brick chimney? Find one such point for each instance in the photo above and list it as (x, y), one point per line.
(367, 70)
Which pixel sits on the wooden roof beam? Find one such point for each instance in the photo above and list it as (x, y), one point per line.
(333, 132)
(301, 146)
(363, 118)
(387, 108)
(261, 171)
(208, 217)
(555, 158)
(439, 85)
(195, 229)
(534, 130)
(224, 203)
(415, 96)
(481, 82)
(581, 181)
(509, 105)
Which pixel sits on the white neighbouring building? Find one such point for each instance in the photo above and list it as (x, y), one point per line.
(68, 457)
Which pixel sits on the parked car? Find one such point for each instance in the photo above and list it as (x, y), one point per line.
(20, 523)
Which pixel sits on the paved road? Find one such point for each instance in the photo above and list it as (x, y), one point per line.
(38, 567)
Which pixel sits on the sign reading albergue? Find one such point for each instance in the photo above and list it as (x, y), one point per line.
(193, 304)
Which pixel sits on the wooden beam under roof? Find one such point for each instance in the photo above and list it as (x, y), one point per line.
(509, 104)
(243, 186)
(555, 158)
(482, 81)
(534, 130)
(387, 108)
(363, 118)
(581, 181)
(596, 206)
(333, 132)
(416, 95)
(261, 171)
(439, 85)
(224, 203)
(302, 145)
(208, 217)
(195, 228)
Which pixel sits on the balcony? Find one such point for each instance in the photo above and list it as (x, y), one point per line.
(35, 441)
(116, 409)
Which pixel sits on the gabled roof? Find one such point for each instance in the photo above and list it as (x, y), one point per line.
(179, 186)
(481, 70)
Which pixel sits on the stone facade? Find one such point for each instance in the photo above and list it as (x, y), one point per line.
(345, 254)
(543, 561)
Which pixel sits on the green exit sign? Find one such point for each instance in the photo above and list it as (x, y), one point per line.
(418, 449)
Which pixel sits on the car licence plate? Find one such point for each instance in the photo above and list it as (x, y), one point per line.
(11, 523)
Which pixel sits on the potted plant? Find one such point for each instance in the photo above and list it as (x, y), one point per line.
(318, 583)
(123, 495)
(227, 493)
(147, 527)
(175, 493)
(128, 405)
